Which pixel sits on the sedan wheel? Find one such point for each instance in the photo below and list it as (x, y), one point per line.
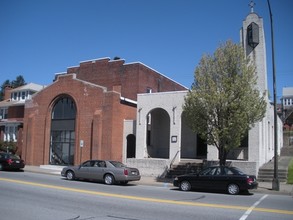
(233, 189)
(109, 179)
(185, 186)
(70, 175)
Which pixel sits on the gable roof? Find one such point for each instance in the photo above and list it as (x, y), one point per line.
(29, 86)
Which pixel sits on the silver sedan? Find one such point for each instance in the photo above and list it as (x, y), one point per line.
(107, 171)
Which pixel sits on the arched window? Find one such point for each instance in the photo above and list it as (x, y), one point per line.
(63, 132)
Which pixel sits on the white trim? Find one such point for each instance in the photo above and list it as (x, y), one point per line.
(128, 100)
(97, 59)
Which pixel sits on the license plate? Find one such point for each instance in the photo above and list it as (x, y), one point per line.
(17, 161)
(133, 173)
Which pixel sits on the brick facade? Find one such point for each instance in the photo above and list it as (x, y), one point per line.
(96, 87)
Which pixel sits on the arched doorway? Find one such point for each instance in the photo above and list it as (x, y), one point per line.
(158, 133)
(62, 140)
(131, 145)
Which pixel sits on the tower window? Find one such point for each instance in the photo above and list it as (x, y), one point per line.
(253, 35)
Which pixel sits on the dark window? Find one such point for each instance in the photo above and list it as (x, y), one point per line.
(64, 109)
(63, 132)
(148, 90)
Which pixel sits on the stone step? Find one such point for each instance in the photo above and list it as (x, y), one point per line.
(271, 171)
(270, 179)
(183, 168)
(184, 171)
(287, 151)
(267, 175)
(271, 176)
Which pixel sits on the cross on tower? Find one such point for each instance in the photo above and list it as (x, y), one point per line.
(251, 5)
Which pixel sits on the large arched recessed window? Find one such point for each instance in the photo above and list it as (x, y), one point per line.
(63, 131)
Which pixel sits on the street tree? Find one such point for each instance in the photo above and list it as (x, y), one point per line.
(224, 102)
(19, 81)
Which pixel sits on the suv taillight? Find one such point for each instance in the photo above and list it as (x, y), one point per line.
(9, 161)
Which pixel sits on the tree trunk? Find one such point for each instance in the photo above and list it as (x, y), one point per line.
(222, 155)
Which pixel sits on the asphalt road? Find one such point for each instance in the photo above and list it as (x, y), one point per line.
(30, 196)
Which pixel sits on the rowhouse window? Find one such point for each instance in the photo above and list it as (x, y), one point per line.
(3, 113)
(14, 96)
(23, 95)
(10, 133)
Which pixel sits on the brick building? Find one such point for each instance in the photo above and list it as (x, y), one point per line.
(81, 114)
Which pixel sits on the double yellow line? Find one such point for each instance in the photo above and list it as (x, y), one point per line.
(145, 199)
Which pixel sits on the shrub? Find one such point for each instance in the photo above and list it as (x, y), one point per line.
(8, 146)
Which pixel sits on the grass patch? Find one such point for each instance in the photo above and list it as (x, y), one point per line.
(290, 173)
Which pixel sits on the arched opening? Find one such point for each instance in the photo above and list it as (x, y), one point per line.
(158, 133)
(131, 146)
(62, 140)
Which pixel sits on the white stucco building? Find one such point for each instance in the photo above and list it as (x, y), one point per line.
(163, 138)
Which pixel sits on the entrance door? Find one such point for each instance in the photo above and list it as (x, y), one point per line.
(62, 147)
(130, 146)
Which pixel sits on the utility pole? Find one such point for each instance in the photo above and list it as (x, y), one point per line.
(276, 182)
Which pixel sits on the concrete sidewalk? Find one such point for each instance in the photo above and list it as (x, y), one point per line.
(264, 187)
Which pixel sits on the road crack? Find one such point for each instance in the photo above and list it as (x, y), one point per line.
(78, 218)
(194, 199)
(119, 217)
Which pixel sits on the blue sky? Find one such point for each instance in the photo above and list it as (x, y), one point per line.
(41, 38)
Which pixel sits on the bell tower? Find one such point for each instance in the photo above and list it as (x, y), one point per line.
(252, 39)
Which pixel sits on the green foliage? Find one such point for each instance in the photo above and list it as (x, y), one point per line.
(290, 173)
(8, 146)
(19, 81)
(224, 103)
